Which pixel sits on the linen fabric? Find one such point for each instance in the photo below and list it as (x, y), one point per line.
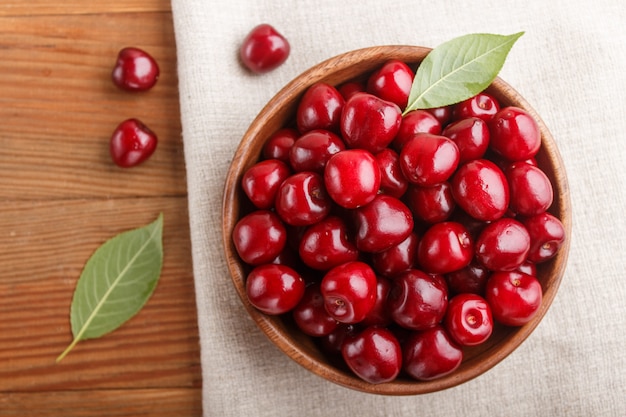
(569, 65)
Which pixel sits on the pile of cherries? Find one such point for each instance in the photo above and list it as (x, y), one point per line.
(397, 240)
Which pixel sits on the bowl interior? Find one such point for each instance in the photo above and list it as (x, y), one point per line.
(278, 113)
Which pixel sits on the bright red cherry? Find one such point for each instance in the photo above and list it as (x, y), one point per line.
(470, 135)
(320, 108)
(530, 189)
(135, 70)
(326, 244)
(302, 200)
(310, 314)
(369, 122)
(381, 224)
(414, 122)
(431, 204)
(261, 181)
(468, 319)
(311, 151)
(259, 237)
(264, 49)
(547, 235)
(514, 297)
(374, 355)
(352, 177)
(503, 245)
(132, 143)
(482, 105)
(274, 289)
(379, 314)
(514, 134)
(396, 259)
(445, 247)
(430, 354)
(392, 82)
(349, 291)
(427, 159)
(279, 144)
(392, 180)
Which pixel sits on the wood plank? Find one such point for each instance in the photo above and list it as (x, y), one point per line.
(67, 7)
(112, 403)
(43, 250)
(59, 107)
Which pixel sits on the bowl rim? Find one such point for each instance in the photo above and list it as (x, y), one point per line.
(279, 335)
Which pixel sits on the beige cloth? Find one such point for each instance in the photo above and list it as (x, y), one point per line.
(569, 65)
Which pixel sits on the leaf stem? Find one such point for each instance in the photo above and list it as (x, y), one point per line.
(67, 350)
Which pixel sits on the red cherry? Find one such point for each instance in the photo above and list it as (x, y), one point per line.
(320, 108)
(333, 341)
(414, 122)
(132, 143)
(392, 181)
(135, 70)
(264, 49)
(325, 245)
(482, 105)
(259, 237)
(381, 224)
(443, 114)
(350, 88)
(374, 355)
(445, 247)
(480, 188)
(352, 178)
(418, 301)
(279, 144)
(530, 189)
(428, 159)
(311, 316)
(468, 319)
(261, 181)
(471, 279)
(503, 245)
(274, 289)
(431, 204)
(313, 149)
(392, 82)
(369, 123)
(470, 135)
(514, 134)
(349, 291)
(430, 354)
(379, 314)
(547, 235)
(514, 297)
(301, 199)
(398, 258)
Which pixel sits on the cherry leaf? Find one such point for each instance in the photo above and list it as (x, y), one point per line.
(116, 282)
(459, 69)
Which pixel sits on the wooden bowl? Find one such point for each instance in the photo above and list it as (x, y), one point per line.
(279, 112)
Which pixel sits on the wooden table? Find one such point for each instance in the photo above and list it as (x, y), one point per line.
(61, 197)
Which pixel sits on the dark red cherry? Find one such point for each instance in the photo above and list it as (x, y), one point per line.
(373, 354)
(320, 108)
(135, 70)
(259, 237)
(274, 289)
(349, 291)
(132, 143)
(311, 151)
(382, 224)
(430, 354)
(264, 49)
(326, 244)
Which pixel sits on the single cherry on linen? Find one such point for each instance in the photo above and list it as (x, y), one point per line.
(264, 49)
(132, 143)
(135, 70)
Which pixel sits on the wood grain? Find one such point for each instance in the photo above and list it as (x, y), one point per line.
(61, 197)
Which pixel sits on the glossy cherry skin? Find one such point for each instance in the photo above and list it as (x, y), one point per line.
(396, 259)
(135, 70)
(443, 114)
(445, 247)
(326, 244)
(379, 314)
(132, 143)
(352, 177)
(392, 180)
(279, 144)
(514, 297)
(264, 49)
(482, 105)
(369, 122)
(503, 245)
(333, 342)
(417, 300)
(430, 354)
(259, 237)
(311, 316)
(392, 82)
(480, 188)
(468, 319)
(470, 135)
(350, 88)
(547, 235)
(382, 224)
(530, 189)
(320, 108)
(349, 291)
(414, 122)
(311, 151)
(427, 159)
(302, 200)
(373, 354)
(274, 289)
(471, 279)
(514, 134)
(431, 204)
(261, 181)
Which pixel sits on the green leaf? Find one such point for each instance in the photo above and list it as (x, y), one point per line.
(459, 69)
(116, 282)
